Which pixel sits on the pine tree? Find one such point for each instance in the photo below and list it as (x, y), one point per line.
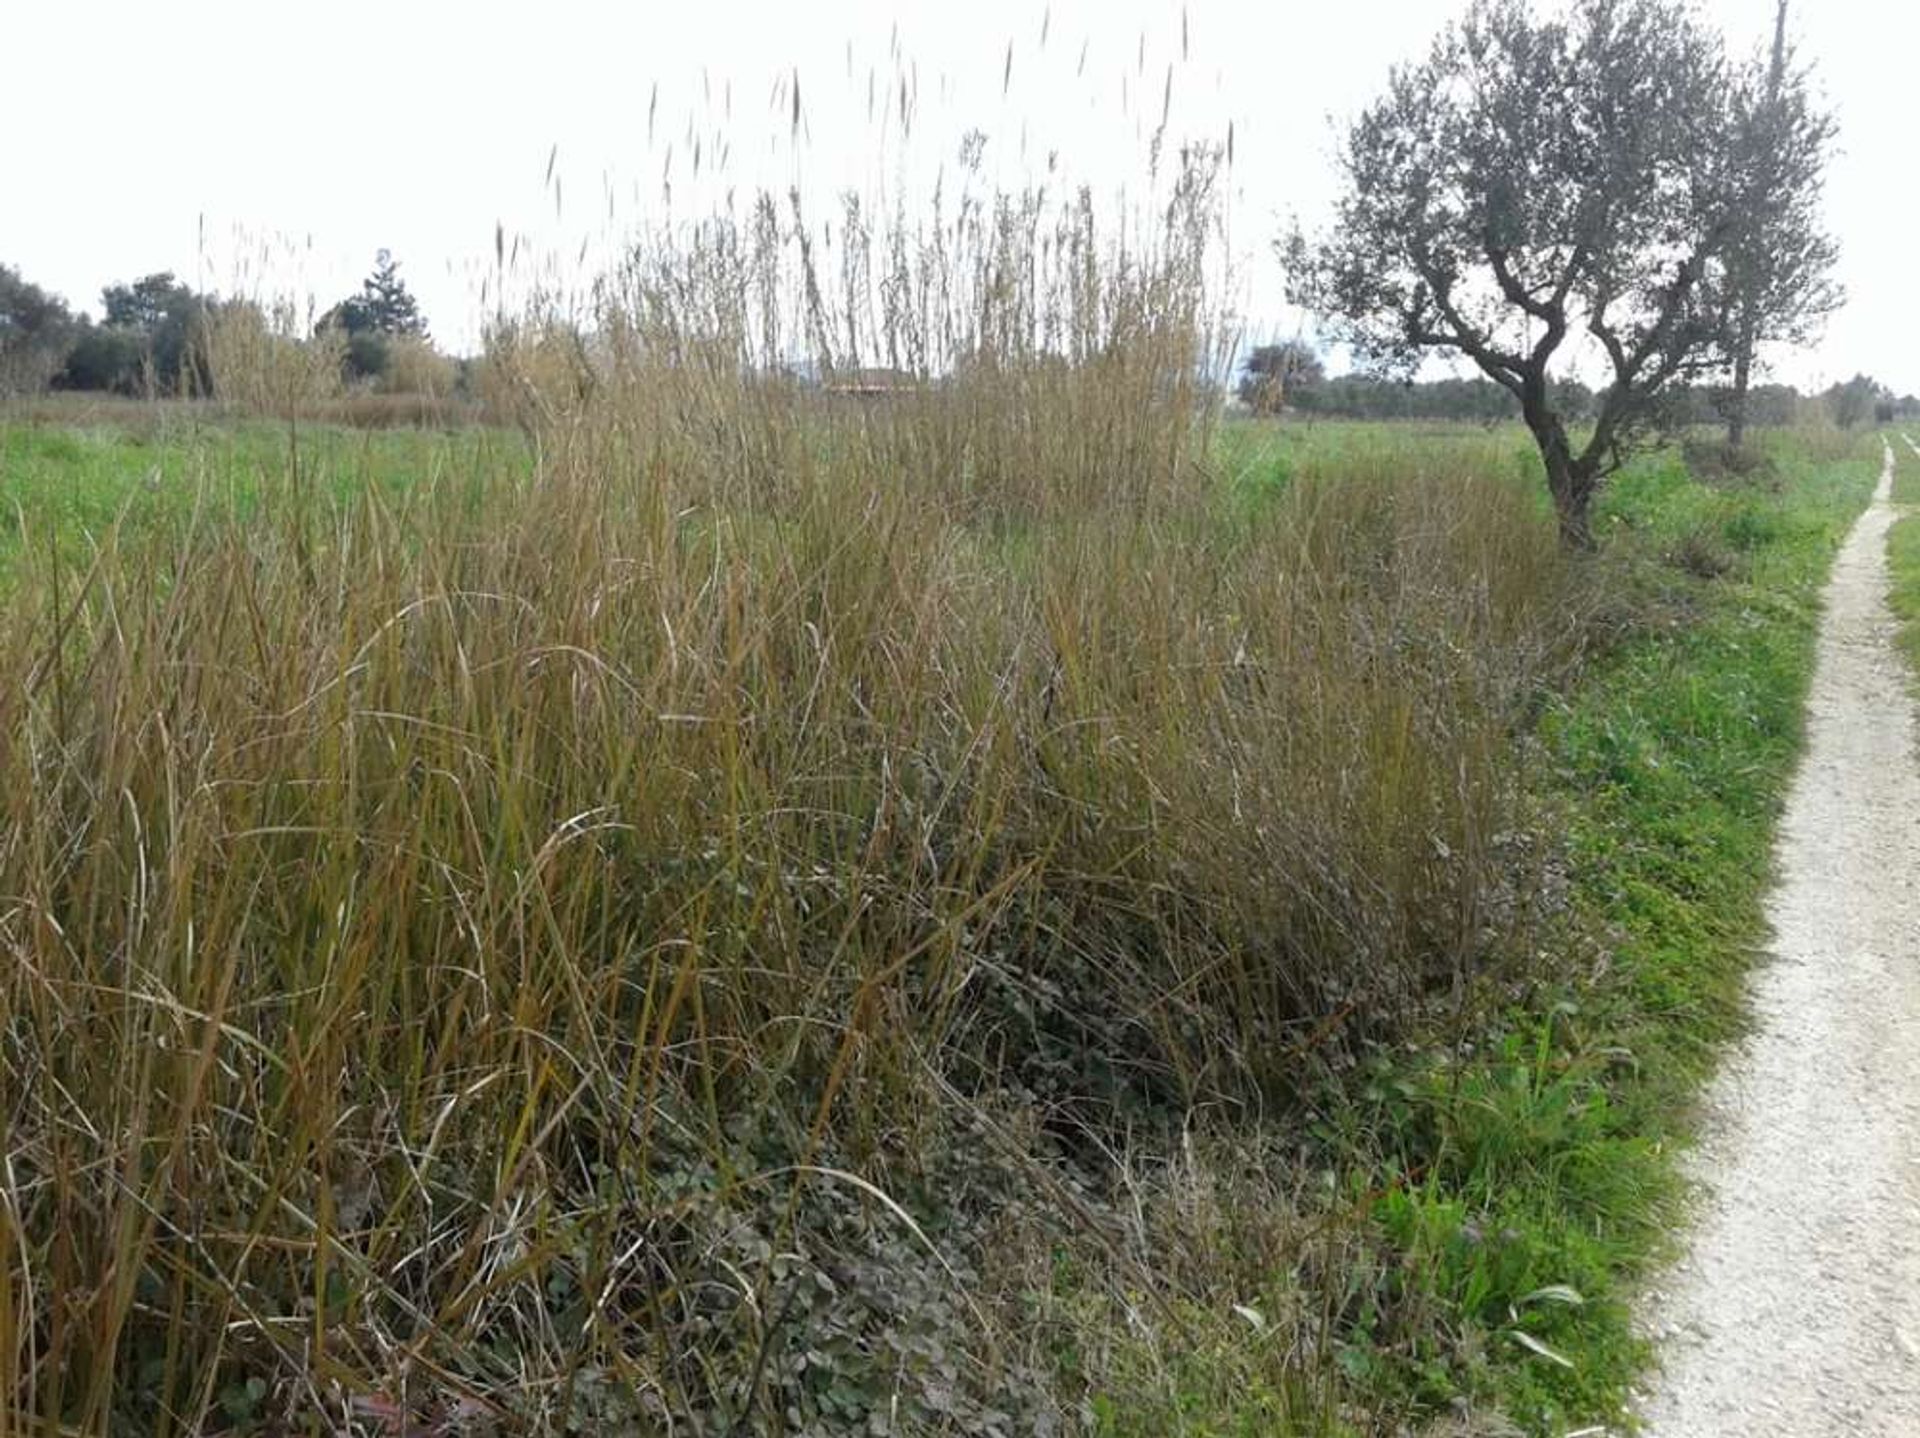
(388, 305)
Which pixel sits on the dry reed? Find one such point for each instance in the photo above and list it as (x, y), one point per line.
(626, 948)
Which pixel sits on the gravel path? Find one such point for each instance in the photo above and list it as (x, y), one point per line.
(1797, 1312)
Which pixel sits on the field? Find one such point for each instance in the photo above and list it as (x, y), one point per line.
(961, 915)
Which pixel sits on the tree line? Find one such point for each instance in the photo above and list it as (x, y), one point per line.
(1290, 377)
(151, 337)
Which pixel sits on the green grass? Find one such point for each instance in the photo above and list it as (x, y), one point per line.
(67, 487)
(1261, 456)
(1536, 1164)
(1903, 550)
(1906, 466)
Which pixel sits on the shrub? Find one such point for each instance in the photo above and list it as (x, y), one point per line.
(414, 366)
(1714, 461)
(106, 359)
(366, 356)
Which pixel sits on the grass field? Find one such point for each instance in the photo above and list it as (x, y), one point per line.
(133, 466)
(815, 925)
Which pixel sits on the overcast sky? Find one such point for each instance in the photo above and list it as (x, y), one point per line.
(227, 140)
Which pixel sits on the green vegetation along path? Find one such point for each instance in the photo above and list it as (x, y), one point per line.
(1796, 1310)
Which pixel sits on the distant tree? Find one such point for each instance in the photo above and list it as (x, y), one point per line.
(1540, 176)
(1708, 404)
(1780, 259)
(145, 304)
(1773, 404)
(36, 333)
(1481, 401)
(103, 357)
(388, 300)
(350, 315)
(154, 324)
(383, 311)
(1271, 374)
(1855, 401)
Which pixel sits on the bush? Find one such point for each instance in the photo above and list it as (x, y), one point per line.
(415, 367)
(106, 359)
(1714, 461)
(366, 356)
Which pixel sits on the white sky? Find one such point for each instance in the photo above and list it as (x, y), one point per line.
(224, 139)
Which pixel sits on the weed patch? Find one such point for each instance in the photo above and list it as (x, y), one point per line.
(974, 903)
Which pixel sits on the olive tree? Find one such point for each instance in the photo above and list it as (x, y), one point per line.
(1780, 259)
(1541, 185)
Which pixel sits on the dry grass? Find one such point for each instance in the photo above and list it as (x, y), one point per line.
(679, 940)
(156, 417)
(264, 359)
(86, 409)
(416, 368)
(441, 410)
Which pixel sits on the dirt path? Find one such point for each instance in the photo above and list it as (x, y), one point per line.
(1797, 1312)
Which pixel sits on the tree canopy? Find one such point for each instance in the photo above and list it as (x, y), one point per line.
(1541, 180)
(36, 331)
(384, 310)
(1272, 373)
(1780, 259)
(1855, 401)
(148, 339)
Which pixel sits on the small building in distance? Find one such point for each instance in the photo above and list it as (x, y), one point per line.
(879, 383)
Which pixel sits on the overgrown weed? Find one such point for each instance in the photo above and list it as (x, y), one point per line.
(546, 949)
(868, 891)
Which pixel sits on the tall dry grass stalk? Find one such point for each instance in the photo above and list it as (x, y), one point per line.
(661, 944)
(1012, 350)
(263, 360)
(415, 367)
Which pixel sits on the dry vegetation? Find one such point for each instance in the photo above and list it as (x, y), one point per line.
(264, 360)
(816, 912)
